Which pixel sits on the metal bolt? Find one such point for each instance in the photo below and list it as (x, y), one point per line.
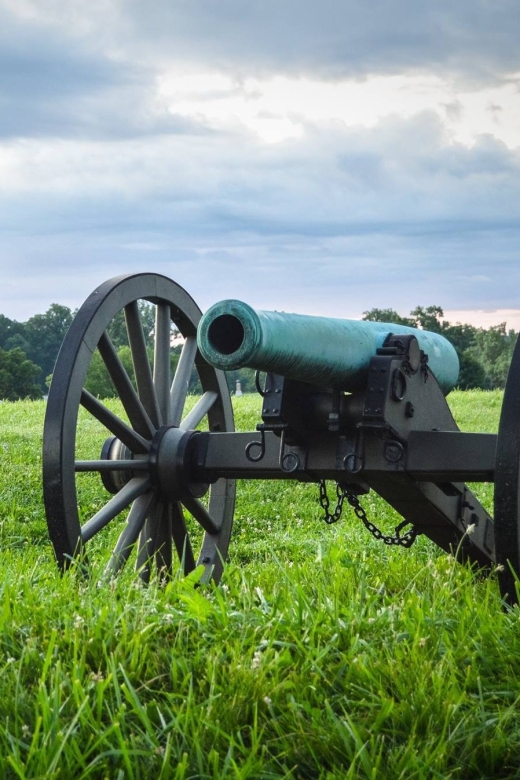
(393, 451)
(409, 409)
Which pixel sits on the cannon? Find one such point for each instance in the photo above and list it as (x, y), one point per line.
(360, 404)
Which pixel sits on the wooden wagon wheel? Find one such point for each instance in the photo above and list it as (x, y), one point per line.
(159, 518)
(507, 484)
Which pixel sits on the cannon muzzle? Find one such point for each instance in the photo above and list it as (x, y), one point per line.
(318, 350)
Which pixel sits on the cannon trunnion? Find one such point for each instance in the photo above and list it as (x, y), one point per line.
(360, 404)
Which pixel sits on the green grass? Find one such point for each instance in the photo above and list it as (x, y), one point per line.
(322, 654)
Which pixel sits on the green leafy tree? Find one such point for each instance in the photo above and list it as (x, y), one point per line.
(18, 376)
(387, 315)
(429, 318)
(98, 380)
(17, 341)
(10, 329)
(461, 336)
(117, 330)
(472, 373)
(493, 349)
(44, 334)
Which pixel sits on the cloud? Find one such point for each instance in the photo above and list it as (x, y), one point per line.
(56, 85)
(391, 216)
(42, 73)
(337, 39)
(400, 171)
(248, 150)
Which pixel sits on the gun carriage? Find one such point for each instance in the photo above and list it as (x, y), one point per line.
(361, 404)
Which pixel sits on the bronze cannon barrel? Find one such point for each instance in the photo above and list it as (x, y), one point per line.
(324, 351)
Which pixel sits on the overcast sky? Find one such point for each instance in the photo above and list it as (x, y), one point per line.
(322, 157)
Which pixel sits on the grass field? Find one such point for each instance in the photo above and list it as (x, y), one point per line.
(322, 654)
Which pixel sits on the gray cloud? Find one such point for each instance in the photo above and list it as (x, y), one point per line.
(56, 85)
(339, 223)
(41, 76)
(98, 178)
(335, 38)
(475, 41)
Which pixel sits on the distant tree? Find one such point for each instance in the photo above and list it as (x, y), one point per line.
(428, 318)
(117, 329)
(98, 380)
(5, 326)
(8, 330)
(472, 373)
(493, 349)
(386, 315)
(17, 340)
(44, 334)
(461, 336)
(18, 376)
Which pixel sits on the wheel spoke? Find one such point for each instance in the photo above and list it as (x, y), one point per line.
(134, 408)
(181, 539)
(114, 424)
(161, 363)
(199, 411)
(201, 515)
(136, 487)
(181, 380)
(128, 537)
(143, 373)
(111, 465)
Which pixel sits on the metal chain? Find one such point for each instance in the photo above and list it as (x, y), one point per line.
(341, 493)
(405, 540)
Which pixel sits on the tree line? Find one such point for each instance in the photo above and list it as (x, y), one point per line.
(28, 350)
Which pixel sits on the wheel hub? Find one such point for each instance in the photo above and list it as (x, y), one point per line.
(113, 449)
(172, 464)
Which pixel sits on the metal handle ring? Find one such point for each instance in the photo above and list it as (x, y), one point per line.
(259, 390)
(350, 461)
(288, 457)
(261, 444)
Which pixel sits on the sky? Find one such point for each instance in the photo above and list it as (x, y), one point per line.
(324, 158)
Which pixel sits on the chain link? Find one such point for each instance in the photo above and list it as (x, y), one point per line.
(405, 540)
(332, 517)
